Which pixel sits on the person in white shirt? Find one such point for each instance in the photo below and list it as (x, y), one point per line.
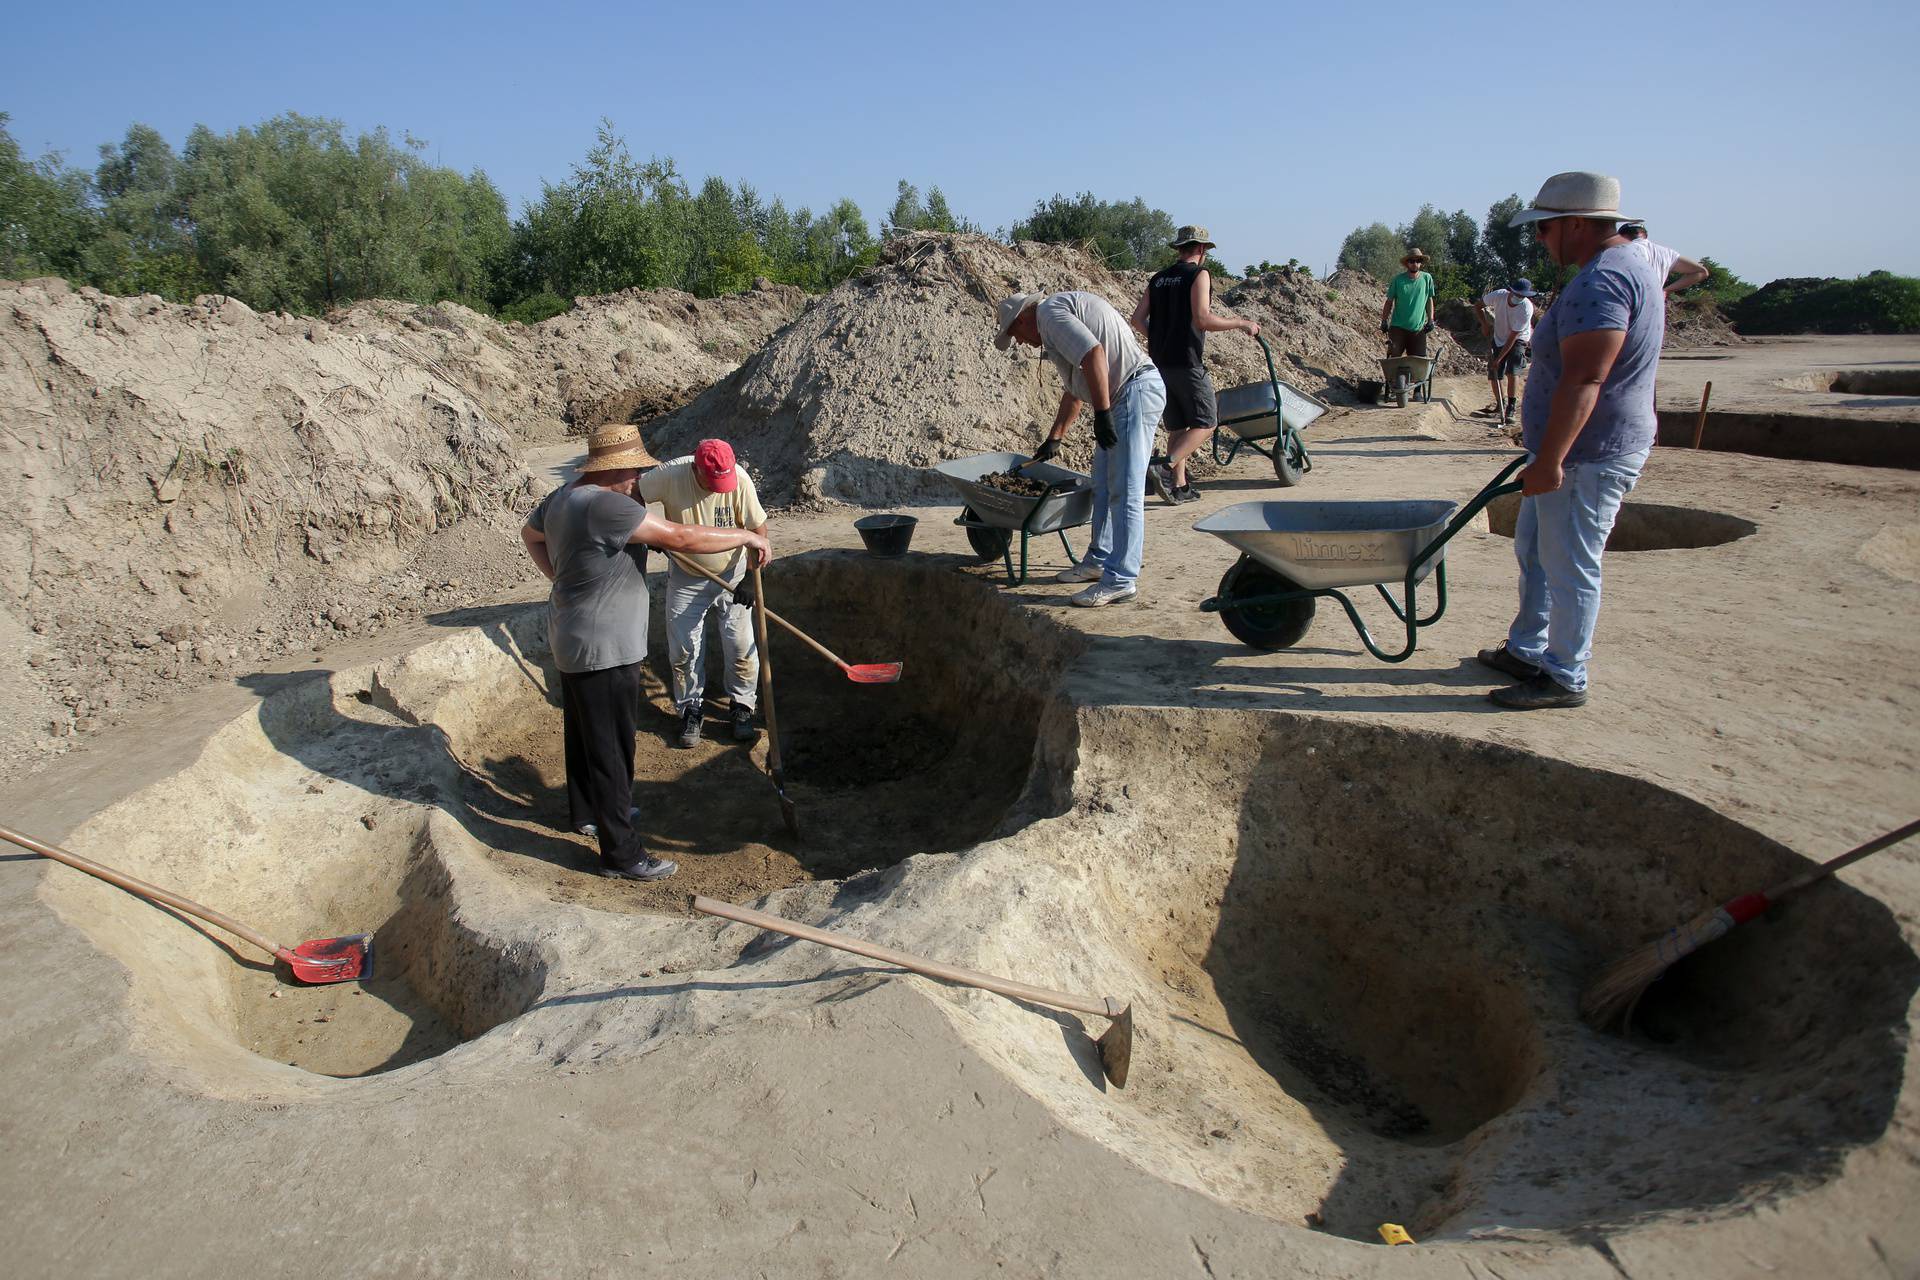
(1665, 261)
(1510, 312)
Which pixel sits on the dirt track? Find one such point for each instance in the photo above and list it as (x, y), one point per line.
(1351, 901)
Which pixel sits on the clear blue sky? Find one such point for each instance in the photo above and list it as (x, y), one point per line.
(1780, 139)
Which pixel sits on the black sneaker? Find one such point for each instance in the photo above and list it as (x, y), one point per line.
(1502, 660)
(742, 718)
(1160, 481)
(645, 869)
(1538, 694)
(1186, 493)
(690, 719)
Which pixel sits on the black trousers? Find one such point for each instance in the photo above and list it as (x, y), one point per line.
(600, 710)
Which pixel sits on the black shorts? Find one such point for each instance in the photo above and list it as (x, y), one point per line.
(1518, 357)
(1190, 400)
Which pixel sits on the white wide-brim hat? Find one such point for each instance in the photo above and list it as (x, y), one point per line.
(1574, 195)
(1008, 311)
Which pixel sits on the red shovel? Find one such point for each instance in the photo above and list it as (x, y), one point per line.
(321, 960)
(858, 672)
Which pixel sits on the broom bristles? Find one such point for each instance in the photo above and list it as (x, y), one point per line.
(1610, 998)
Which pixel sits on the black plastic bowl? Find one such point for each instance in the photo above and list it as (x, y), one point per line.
(886, 536)
(1369, 391)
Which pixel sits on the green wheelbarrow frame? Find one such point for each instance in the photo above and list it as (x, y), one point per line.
(1288, 453)
(989, 540)
(1291, 624)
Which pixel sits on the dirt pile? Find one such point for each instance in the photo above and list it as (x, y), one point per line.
(197, 489)
(1698, 322)
(621, 357)
(895, 370)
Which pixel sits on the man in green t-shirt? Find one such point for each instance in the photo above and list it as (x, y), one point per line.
(1407, 314)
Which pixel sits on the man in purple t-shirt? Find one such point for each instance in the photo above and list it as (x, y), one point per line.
(1588, 421)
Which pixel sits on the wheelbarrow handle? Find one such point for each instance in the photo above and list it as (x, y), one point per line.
(1494, 488)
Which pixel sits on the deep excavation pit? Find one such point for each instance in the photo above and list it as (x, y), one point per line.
(1844, 434)
(304, 820)
(1355, 954)
(1858, 382)
(1644, 526)
(877, 772)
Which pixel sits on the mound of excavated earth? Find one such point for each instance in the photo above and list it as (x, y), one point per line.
(895, 370)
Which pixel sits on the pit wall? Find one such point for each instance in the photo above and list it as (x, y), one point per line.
(1862, 442)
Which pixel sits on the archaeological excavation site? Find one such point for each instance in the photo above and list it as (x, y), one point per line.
(284, 654)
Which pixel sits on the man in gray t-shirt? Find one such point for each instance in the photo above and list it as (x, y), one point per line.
(1587, 420)
(1101, 364)
(589, 538)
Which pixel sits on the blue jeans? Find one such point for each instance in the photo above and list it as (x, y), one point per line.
(1120, 481)
(1558, 541)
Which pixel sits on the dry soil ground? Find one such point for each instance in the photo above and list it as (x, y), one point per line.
(1351, 903)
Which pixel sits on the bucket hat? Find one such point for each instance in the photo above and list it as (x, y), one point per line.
(1008, 311)
(1191, 235)
(1413, 255)
(617, 448)
(1574, 195)
(1522, 288)
(713, 463)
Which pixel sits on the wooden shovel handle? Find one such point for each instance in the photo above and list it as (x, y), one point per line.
(1100, 1006)
(140, 888)
(815, 645)
(1848, 858)
(766, 683)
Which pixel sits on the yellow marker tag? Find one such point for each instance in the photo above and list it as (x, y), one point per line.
(1394, 1233)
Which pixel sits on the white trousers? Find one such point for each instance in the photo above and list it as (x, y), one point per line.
(689, 600)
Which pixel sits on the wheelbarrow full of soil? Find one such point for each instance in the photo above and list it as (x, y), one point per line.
(1294, 553)
(1267, 417)
(1036, 499)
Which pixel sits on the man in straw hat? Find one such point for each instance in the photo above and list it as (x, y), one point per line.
(708, 488)
(1407, 314)
(1587, 419)
(1100, 364)
(1176, 313)
(589, 538)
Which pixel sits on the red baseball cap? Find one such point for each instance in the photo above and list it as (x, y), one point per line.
(713, 463)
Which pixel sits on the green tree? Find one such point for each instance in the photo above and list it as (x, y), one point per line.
(47, 226)
(909, 214)
(1373, 249)
(1127, 235)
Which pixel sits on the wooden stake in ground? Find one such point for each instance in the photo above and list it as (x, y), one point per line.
(1700, 423)
(774, 770)
(1610, 999)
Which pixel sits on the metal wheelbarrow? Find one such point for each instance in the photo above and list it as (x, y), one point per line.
(1267, 411)
(1293, 553)
(993, 516)
(1402, 377)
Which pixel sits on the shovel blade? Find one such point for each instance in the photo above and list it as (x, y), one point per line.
(874, 672)
(1116, 1048)
(323, 960)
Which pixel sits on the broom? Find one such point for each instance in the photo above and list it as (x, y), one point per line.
(1610, 998)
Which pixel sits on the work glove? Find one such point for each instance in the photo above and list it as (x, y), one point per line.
(1427, 327)
(1049, 450)
(743, 594)
(1383, 326)
(1103, 433)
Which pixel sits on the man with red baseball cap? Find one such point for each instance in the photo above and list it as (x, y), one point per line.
(708, 488)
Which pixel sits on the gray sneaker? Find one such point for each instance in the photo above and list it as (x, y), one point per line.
(1186, 493)
(1160, 481)
(592, 830)
(645, 869)
(691, 717)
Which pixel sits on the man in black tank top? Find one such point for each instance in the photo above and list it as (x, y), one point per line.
(1176, 314)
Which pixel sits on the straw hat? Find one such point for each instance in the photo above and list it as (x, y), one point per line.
(1574, 195)
(1414, 255)
(617, 449)
(1191, 235)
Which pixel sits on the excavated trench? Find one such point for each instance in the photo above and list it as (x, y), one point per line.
(1645, 526)
(1356, 954)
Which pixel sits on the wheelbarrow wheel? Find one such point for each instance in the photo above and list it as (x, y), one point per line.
(1289, 459)
(1400, 391)
(988, 544)
(1274, 625)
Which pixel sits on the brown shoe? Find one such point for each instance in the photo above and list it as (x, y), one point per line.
(1501, 660)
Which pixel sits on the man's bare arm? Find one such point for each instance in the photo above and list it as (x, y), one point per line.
(653, 531)
(536, 544)
(1586, 360)
(1203, 318)
(1691, 273)
(1139, 317)
(1094, 365)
